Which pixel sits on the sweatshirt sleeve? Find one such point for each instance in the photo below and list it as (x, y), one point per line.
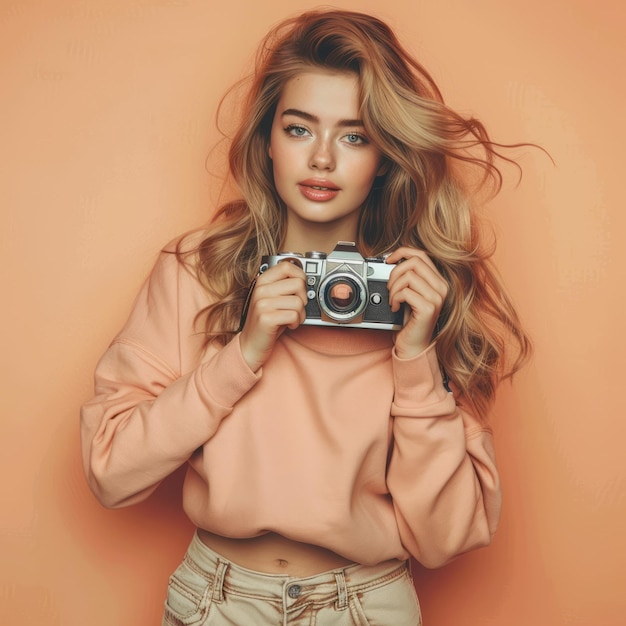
(442, 473)
(148, 416)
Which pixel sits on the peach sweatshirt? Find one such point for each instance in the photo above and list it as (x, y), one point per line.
(335, 442)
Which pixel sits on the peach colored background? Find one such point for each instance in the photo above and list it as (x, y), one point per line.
(107, 115)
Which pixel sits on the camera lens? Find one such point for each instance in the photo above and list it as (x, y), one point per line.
(342, 297)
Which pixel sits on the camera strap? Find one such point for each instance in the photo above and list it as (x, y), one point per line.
(246, 304)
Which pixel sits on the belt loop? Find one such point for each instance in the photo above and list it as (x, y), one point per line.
(342, 591)
(218, 582)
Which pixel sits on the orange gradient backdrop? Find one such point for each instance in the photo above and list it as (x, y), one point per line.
(107, 116)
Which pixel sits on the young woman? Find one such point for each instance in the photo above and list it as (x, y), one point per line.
(320, 456)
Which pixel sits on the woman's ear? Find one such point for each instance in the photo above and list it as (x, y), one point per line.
(269, 151)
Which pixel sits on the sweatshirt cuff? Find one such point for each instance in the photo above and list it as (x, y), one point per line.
(419, 388)
(229, 375)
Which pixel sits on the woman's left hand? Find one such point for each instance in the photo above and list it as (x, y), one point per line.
(417, 283)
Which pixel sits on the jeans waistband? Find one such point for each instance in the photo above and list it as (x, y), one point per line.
(290, 590)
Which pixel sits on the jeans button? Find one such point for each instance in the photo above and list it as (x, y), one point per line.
(294, 591)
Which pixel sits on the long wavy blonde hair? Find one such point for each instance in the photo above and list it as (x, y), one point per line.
(425, 199)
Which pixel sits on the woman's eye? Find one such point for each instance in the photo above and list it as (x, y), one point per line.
(296, 131)
(355, 139)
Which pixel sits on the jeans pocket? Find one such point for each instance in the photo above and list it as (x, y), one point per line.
(392, 604)
(188, 596)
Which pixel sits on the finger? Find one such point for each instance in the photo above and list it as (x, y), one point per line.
(421, 278)
(428, 287)
(416, 272)
(283, 287)
(288, 301)
(401, 255)
(418, 287)
(419, 305)
(281, 271)
(406, 252)
(272, 321)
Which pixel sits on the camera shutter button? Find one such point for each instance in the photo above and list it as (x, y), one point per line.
(376, 298)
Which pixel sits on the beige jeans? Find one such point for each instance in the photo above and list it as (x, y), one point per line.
(207, 590)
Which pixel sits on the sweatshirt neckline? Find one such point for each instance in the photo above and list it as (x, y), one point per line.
(346, 341)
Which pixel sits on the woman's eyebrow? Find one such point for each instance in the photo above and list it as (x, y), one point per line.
(309, 117)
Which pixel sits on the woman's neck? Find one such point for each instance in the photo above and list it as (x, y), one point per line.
(320, 239)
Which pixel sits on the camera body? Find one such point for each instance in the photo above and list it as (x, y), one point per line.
(343, 288)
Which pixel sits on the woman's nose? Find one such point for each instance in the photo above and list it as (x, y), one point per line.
(322, 157)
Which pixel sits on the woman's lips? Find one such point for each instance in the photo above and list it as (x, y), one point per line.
(318, 190)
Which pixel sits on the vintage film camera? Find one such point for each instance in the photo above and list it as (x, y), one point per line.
(344, 289)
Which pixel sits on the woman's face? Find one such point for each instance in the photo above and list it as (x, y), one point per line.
(323, 162)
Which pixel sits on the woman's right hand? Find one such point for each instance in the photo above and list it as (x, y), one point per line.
(277, 302)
